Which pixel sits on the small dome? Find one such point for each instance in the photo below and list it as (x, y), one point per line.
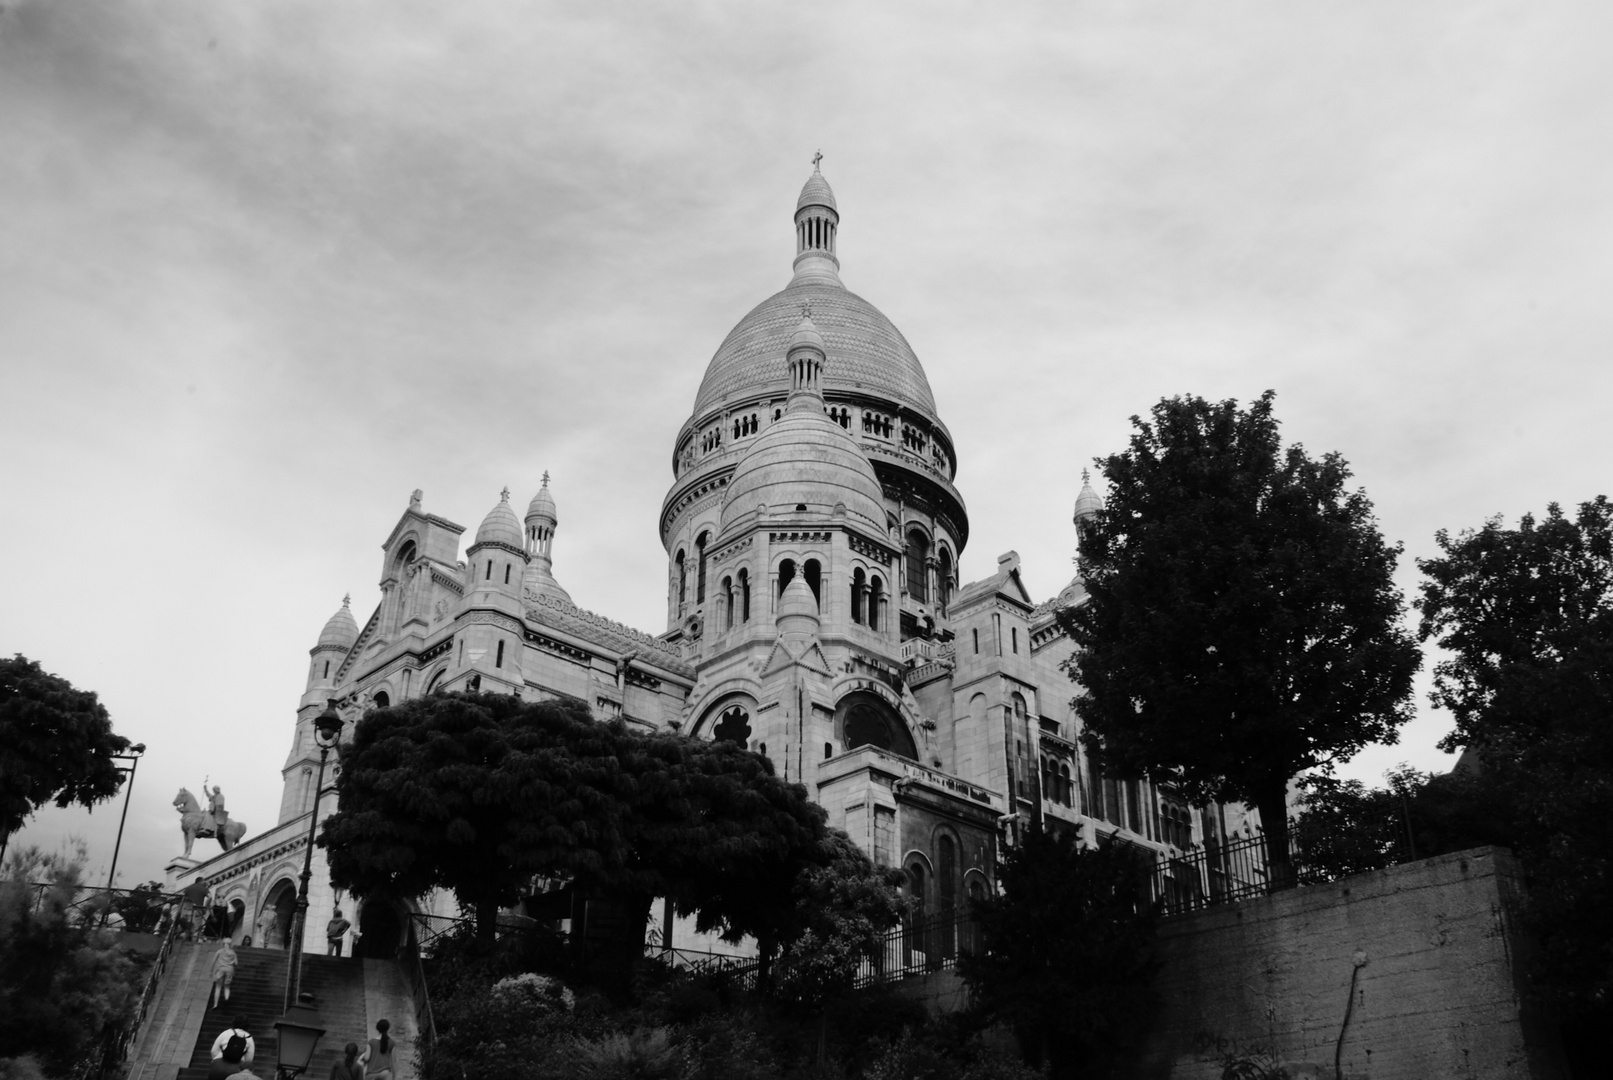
(807, 334)
(815, 192)
(805, 460)
(538, 580)
(1088, 503)
(797, 610)
(500, 525)
(542, 505)
(340, 628)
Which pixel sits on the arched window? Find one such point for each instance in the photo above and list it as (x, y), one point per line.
(876, 598)
(864, 719)
(382, 700)
(489, 575)
(943, 578)
(1066, 786)
(813, 574)
(683, 581)
(733, 726)
(976, 633)
(507, 573)
(1049, 793)
(786, 574)
(1134, 814)
(744, 596)
(859, 595)
(700, 582)
(918, 554)
(728, 603)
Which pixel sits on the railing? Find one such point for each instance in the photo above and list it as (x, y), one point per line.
(739, 971)
(424, 1024)
(118, 1039)
(920, 946)
(1223, 872)
(134, 910)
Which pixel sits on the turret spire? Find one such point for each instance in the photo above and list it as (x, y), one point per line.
(817, 223)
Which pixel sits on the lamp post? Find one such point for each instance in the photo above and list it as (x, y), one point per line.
(133, 758)
(299, 1031)
(327, 729)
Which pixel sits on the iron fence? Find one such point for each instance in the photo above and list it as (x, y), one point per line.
(134, 910)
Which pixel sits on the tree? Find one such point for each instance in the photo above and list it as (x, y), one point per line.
(1242, 624)
(56, 742)
(480, 793)
(839, 919)
(1526, 616)
(61, 980)
(1067, 949)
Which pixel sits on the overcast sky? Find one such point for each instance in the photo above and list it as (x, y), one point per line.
(267, 267)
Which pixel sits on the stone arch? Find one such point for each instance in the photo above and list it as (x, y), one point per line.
(281, 899)
(435, 678)
(865, 718)
(720, 709)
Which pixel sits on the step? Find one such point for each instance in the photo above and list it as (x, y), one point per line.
(258, 997)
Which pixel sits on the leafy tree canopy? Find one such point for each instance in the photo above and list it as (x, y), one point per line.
(1527, 617)
(839, 918)
(1067, 949)
(480, 793)
(1501, 601)
(61, 981)
(1242, 624)
(56, 742)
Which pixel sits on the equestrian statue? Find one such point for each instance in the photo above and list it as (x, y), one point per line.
(211, 824)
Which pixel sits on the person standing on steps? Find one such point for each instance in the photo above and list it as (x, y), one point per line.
(377, 1057)
(223, 971)
(349, 1067)
(232, 1051)
(335, 930)
(191, 907)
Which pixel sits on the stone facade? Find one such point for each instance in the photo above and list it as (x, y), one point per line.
(816, 613)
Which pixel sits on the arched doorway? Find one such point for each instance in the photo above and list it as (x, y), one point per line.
(279, 908)
(380, 930)
(864, 719)
(237, 927)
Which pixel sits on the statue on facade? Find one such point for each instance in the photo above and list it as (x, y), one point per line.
(210, 824)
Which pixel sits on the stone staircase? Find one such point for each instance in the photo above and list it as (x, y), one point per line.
(258, 996)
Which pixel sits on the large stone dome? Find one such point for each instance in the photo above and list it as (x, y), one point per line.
(867, 351)
(807, 460)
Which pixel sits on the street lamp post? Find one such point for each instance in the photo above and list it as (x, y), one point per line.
(327, 729)
(133, 758)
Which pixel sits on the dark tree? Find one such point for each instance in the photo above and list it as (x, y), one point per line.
(1527, 617)
(56, 742)
(1067, 951)
(61, 980)
(480, 793)
(1242, 624)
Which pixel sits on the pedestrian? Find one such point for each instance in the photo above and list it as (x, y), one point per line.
(377, 1057)
(223, 971)
(232, 1051)
(349, 1067)
(191, 906)
(335, 930)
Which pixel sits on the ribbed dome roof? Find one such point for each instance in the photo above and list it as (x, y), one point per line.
(500, 525)
(805, 458)
(542, 504)
(866, 350)
(815, 192)
(1088, 502)
(340, 628)
(538, 579)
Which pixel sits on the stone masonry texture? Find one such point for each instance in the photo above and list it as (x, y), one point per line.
(1428, 950)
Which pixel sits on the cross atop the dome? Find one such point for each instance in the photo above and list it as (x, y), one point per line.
(815, 159)
(347, 600)
(545, 477)
(1086, 477)
(504, 496)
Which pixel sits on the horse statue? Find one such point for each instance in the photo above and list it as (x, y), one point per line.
(195, 822)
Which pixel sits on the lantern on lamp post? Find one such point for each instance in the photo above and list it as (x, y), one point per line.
(298, 1032)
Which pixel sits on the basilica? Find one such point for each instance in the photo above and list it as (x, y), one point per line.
(814, 614)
